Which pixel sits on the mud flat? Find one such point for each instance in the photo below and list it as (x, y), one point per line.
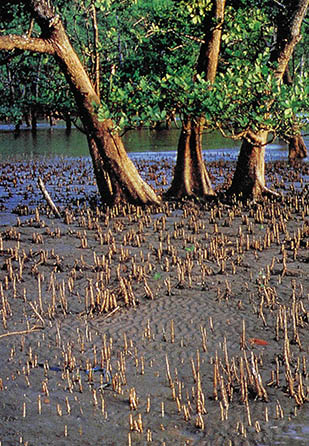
(180, 325)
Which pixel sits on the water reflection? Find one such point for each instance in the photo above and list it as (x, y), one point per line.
(46, 142)
(54, 142)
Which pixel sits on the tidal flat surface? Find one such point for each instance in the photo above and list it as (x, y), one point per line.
(198, 310)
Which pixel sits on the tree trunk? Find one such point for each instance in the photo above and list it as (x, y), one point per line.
(296, 143)
(190, 176)
(112, 164)
(116, 175)
(68, 123)
(249, 177)
(297, 148)
(27, 118)
(34, 121)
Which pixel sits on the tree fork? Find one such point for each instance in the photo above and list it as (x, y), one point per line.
(190, 176)
(112, 165)
(249, 176)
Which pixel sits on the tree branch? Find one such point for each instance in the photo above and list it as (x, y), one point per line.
(288, 35)
(13, 41)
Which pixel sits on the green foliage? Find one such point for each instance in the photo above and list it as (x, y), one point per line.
(29, 82)
(153, 80)
(197, 9)
(148, 52)
(267, 106)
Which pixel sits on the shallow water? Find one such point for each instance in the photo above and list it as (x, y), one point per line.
(296, 434)
(293, 434)
(55, 141)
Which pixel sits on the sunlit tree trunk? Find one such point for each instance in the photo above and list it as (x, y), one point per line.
(297, 148)
(117, 177)
(249, 177)
(190, 176)
(296, 144)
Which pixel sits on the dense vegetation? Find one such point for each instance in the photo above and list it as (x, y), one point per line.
(215, 64)
(147, 53)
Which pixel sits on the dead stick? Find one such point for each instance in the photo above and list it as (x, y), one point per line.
(112, 312)
(37, 313)
(13, 333)
(47, 197)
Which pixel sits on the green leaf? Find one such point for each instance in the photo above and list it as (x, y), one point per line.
(288, 112)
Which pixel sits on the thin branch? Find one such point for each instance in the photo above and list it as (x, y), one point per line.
(279, 4)
(179, 34)
(81, 129)
(233, 136)
(175, 48)
(13, 41)
(31, 25)
(247, 134)
(22, 332)
(96, 51)
(139, 20)
(125, 130)
(270, 193)
(186, 36)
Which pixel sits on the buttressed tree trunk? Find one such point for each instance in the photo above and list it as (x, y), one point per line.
(249, 177)
(296, 143)
(191, 177)
(116, 175)
(297, 148)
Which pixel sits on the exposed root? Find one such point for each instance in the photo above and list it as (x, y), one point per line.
(270, 193)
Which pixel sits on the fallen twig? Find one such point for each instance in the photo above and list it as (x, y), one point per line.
(112, 312)
(37, 313)
(13, 333)
(47, 197)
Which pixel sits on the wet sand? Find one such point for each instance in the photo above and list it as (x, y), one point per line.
(199, 311)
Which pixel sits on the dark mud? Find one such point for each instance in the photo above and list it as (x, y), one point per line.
(199, 311)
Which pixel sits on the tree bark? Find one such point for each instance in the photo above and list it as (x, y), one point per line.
(296, 144)
(297, 148)
(117, 177)
(190, 176)
(249, 176)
